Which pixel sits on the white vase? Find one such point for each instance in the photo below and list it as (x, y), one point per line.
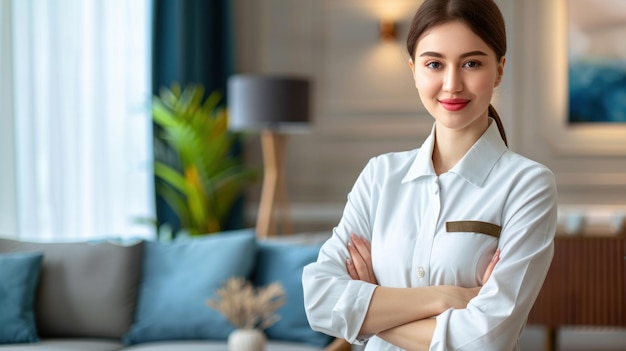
(246, 340)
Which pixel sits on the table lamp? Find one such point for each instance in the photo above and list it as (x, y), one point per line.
(273, 106)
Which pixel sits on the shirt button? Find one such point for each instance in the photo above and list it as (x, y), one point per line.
(421, 272)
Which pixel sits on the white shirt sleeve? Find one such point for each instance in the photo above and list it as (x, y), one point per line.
(335, 304)
(493, 320)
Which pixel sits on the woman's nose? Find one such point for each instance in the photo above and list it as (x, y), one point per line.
(452, 81)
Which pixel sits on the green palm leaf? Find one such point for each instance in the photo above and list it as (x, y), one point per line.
(208, 179)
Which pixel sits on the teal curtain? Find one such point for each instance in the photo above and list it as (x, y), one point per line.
(192, 43)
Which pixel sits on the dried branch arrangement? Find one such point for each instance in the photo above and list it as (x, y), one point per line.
(246, 307)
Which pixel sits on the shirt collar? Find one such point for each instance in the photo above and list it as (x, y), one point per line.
(474, 167)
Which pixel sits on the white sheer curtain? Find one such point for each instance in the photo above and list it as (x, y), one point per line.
(83, 129)
(8, 217)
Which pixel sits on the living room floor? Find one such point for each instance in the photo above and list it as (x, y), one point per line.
(576, 339)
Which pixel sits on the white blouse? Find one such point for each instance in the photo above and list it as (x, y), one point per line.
(442, 230)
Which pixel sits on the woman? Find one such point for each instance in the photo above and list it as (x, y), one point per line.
(438, 215)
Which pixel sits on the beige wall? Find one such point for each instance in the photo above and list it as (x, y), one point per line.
(365, 102)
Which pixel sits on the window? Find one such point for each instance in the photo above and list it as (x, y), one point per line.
(81, 115)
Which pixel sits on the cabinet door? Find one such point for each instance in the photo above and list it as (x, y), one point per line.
(586, 284)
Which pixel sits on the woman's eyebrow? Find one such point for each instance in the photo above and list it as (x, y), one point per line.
(464, 55)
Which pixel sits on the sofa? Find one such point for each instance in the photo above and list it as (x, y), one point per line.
(143, 295)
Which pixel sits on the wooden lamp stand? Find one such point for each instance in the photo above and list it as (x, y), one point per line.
(274, 191)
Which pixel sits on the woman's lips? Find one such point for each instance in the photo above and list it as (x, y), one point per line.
(454, 104)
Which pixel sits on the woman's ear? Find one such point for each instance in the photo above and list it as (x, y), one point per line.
(412, 67)
(500, 71)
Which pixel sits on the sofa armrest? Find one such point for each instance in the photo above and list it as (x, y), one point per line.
(338, 345)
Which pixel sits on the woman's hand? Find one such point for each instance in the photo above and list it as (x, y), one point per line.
(494, 260)
(461, 298)
(359, 265)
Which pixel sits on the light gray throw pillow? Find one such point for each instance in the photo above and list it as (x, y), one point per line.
(86, 289)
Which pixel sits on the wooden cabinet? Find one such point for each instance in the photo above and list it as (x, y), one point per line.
(585, 286)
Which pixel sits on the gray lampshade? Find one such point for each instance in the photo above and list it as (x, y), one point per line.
(257, 102)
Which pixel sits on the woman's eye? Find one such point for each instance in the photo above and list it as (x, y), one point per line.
(433, 65)
(472, 64)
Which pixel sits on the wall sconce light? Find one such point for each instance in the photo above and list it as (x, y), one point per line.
(388, 30)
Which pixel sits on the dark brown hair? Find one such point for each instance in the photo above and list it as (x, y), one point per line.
(483, 17)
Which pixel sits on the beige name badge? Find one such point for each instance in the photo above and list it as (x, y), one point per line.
(474, 227)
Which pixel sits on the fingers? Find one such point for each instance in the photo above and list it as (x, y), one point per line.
(355, 264)
(352, 270)
(492, 264)
(364, 249)
(359, 265)
(357, 261)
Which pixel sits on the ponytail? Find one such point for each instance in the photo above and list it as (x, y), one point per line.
(493, 113)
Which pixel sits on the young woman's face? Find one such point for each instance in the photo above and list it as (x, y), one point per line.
(455, 73)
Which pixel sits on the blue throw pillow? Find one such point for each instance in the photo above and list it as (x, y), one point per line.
(283, 262)
(178, 278)
(19, 275)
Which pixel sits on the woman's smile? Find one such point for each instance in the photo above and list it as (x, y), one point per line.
(454, 104)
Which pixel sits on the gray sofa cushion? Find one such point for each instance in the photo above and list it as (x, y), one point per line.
(85, 289)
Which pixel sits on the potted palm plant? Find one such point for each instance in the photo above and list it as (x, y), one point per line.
(197, 173)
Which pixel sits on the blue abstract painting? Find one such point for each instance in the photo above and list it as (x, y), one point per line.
(597, 61)
(597, 91)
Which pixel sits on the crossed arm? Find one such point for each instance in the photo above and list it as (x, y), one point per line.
(408, 326)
